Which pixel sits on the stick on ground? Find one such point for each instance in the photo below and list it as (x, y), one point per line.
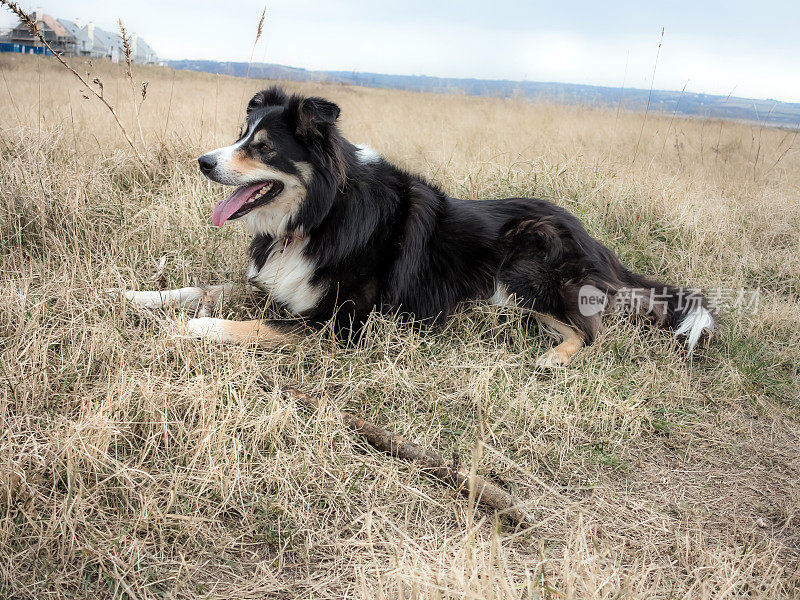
(433, 463)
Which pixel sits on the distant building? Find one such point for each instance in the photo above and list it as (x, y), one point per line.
(83, 44)
(72, 38)
(20, 39)
(104, 43)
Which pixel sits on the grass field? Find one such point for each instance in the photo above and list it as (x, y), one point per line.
(138, 464)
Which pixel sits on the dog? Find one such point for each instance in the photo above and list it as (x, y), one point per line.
(338, 231)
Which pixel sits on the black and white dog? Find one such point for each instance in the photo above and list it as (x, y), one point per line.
(338, 231)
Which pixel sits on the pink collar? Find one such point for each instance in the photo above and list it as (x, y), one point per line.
(295, 236)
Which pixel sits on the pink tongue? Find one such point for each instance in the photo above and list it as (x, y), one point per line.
(225, 208)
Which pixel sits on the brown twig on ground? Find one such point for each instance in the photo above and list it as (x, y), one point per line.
(31, 23)
(206, 307)
(432, 463)
(160, 278)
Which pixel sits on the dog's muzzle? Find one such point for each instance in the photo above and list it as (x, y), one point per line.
(207, 163)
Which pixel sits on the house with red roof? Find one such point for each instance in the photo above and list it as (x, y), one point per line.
(71, 38)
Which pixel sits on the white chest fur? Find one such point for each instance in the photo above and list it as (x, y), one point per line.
(286, 276)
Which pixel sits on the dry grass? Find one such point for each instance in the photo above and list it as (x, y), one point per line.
(138, 465)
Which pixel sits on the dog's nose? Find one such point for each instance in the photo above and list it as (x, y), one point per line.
(207, 163)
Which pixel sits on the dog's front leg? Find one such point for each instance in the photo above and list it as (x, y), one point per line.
(257, 331)
(187, 297)
(561, 355)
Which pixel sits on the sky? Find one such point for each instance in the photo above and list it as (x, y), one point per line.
(742, 47)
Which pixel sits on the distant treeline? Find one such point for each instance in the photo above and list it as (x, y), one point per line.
(770, 112)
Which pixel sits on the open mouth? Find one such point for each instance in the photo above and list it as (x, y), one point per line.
(244, 199)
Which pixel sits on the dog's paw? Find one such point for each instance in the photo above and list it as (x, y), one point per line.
(142, 299)
(207, 328)
(551, 359)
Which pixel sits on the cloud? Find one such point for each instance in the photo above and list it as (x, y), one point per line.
(707, 64)
(583, 44)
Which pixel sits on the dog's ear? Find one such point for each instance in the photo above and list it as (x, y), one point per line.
(313, 116)
(273, 96)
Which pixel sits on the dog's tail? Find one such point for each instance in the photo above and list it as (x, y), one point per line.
(684, 311)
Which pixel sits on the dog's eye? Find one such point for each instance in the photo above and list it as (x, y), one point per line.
(261, 147)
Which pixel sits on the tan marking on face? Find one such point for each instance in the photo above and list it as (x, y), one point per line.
(261, 136)
(244, 164)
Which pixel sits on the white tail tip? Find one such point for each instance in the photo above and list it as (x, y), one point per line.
(694, 324)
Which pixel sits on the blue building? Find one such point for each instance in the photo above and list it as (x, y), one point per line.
(71, 38)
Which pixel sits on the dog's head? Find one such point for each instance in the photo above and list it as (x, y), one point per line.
(283, 141)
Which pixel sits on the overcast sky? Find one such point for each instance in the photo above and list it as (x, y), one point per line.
(746, 47)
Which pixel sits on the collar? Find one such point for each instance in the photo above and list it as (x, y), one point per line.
(291, 237)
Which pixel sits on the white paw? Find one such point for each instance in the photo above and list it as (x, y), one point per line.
(149, 299)
(550, 360)
(207, 328)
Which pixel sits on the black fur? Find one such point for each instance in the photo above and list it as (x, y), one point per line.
(382, 238)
